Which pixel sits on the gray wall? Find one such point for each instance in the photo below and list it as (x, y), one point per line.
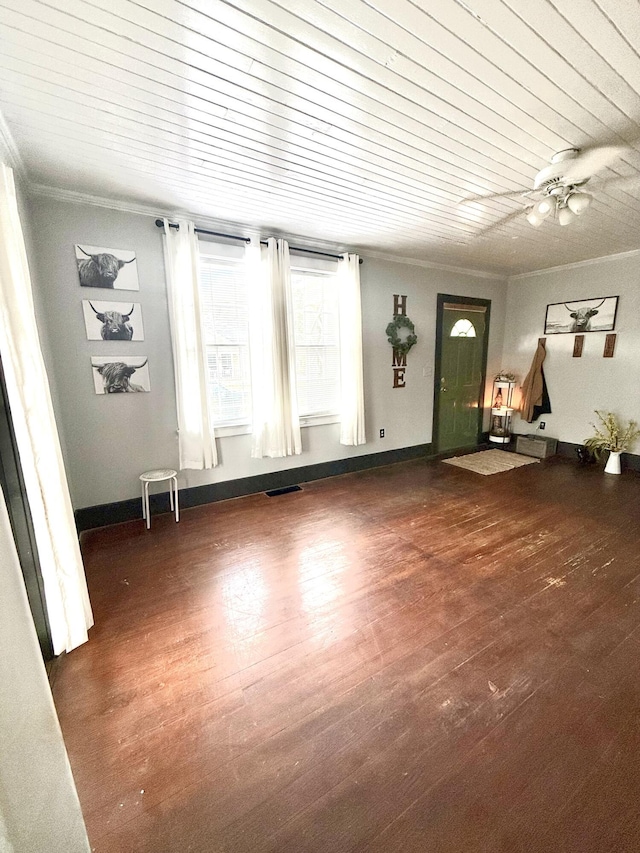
(577, 386)
(407, 414)
(110, 440)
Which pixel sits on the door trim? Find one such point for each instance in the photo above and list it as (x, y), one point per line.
(11, 477)
(463, 302)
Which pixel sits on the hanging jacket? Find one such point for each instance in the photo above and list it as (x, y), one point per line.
(535, 398)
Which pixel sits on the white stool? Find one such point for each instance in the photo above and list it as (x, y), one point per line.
(157, 477)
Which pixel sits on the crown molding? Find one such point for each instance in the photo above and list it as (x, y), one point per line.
(158, 212)
(9, 153)
(76, 197)
(576, 265)
(418, 262)
(242, 230)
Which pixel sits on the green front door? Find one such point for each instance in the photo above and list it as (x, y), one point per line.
(461, 347)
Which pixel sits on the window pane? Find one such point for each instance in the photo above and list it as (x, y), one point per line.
(224, 302)
(317, 379)
(463, 329)
(225, 317)
(229, 392)
(316, 315)
(315, 304)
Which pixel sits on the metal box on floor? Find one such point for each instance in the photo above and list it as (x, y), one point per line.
(536, 445)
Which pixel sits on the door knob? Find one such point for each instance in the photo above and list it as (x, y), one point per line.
(442, 384)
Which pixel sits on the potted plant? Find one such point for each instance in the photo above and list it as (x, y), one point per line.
(612, 436)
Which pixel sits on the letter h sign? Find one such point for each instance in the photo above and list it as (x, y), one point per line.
(399, 305)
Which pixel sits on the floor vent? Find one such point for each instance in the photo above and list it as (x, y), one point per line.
(272, 493)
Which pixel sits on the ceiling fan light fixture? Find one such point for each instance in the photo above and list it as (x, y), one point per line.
(565, 216)
(579, 202)
(545, 207)
(558, 188)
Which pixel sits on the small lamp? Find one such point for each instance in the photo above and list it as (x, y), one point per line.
(501, 409)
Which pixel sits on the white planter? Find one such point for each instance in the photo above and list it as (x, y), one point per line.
(613, 463)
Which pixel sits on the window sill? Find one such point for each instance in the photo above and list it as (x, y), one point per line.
(245, 429)
(318, 420)
(234, 429)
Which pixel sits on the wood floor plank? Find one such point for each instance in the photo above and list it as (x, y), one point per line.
(408, 658)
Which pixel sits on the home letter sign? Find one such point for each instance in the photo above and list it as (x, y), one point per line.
(401, 335)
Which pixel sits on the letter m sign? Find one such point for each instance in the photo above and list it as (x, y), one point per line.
(399, 358)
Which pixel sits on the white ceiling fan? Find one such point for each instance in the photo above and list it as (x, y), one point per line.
(558, 188)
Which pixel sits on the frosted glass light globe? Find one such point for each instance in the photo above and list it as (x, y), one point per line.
(579, 202)
(565, 216)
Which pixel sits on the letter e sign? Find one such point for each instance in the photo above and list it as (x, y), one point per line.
(398, 377)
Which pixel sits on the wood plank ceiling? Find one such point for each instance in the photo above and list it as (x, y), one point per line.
(361, 124)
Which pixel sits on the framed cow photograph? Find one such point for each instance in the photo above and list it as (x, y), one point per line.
(583, 315)
(112, 269)
(112, 321)
(120, 374)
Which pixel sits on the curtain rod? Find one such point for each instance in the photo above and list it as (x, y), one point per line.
(160, 224)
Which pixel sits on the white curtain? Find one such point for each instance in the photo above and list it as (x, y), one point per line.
(351, 372)
(196, 441)
(276, 424)
(65, 586)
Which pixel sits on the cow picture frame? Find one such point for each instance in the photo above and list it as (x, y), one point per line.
(112, 321)
(120, 374)
(581, 315)
(111, 269)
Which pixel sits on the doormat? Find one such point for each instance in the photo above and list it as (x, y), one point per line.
(490, 461)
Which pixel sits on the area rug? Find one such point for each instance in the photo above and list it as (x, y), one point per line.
(490, 461)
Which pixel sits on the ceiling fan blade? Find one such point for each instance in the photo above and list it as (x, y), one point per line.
(592, 160)
(619, 181)
(512, 194)
(503, 221)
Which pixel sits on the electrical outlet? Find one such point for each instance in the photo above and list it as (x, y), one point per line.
(543, 424)
(381, 433)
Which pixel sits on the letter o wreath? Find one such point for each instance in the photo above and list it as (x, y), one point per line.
(401, 324)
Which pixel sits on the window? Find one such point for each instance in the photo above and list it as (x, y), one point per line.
(317, 338)
(225, 319)
(463, 329)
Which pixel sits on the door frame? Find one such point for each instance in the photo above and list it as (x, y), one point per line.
(462, 300)
(22, 525)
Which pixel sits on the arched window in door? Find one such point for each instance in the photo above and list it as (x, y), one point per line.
(463, 329)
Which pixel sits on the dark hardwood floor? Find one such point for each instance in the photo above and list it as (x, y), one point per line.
(413, 658)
